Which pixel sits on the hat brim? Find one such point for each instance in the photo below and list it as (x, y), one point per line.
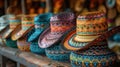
(20, 33)
(46, 39)
(69, 43)
(1, 28)
(34, 36)
(22, 44)
(6, 32)
(13, 37)
(65, 43)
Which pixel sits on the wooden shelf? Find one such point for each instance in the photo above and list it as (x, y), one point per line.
(29, 59)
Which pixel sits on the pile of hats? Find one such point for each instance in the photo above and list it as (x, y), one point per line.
(25, 32)
(61, 37)
(89, 27)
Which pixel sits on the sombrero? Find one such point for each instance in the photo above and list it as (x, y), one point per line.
(27, 25)
(59, 24)
(14, 21)
(96, 54)
(3, 22)
(41, 22)
(90, 25)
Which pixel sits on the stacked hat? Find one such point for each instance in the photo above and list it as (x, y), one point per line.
(52, 36)
(90, 25)
(14, 21)
(3, 24)
(55, 53)
(41, 22)
(27, 25)
(21, 33)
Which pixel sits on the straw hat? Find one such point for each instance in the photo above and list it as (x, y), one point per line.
(59, 24)
(89, 26)
(14, 21)
(26, 26)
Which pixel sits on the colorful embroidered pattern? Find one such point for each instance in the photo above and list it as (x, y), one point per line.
(55, 53)
(82, 60)
(36, 49)
(27, 22)
(27, 25)
(91, 24)
(102, 37)
(59, 24)
(94, 53)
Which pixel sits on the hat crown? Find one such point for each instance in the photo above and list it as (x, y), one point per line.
(27, 21)
(3, 22)
(91, 23)
(41, 21)
(14, 21)
(62, 22)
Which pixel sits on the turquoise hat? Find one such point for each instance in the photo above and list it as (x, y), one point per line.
(41, 23)
(11, 43)
(56, 53)
(36, 49)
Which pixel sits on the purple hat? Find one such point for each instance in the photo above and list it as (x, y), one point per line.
(59, 24)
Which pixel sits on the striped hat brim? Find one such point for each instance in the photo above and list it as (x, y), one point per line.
(20, 33)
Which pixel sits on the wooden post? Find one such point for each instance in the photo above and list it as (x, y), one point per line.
(23, 6)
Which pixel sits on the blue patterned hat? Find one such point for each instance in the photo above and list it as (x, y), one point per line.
(95, 56)
(41, 23)
(34, 44)
(56, 53)
(35, 48)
